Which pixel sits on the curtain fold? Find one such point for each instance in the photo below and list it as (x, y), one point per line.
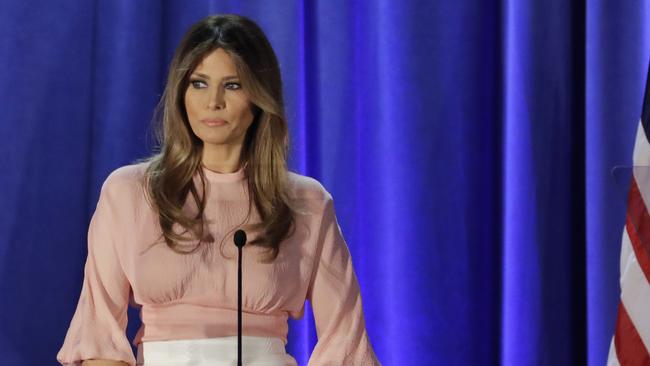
(616, 52)
(468, 146)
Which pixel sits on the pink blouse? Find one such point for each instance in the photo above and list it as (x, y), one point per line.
(195, 296)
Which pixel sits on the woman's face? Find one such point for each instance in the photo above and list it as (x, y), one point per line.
(218, 109)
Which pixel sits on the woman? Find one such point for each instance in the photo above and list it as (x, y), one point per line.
(161, 235)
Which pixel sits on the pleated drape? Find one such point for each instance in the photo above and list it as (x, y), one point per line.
(468, 146)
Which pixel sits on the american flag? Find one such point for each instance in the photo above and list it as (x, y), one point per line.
(631, 342)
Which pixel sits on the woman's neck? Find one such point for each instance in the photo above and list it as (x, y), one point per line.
(222, 158)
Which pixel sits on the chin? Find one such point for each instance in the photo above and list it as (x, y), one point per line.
(219, 141)
(215, 142)
(214, 138)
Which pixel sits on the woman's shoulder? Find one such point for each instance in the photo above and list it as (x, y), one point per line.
(127, 178)
(307, 188)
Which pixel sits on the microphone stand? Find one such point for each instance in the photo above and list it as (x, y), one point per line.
(240, 241)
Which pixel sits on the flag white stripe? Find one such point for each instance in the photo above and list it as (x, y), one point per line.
(641, 148)
(612, 360)
(641, 169)
(627, 254)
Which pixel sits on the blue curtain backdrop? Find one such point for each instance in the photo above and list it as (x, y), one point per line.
(468, 146)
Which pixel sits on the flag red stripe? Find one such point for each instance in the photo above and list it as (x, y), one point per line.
(638, 228)
(630, 350)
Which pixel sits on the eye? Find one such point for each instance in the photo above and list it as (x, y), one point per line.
(232, 86)
(198, 84)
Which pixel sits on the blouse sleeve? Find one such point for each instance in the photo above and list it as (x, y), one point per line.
(336, 301)
(98, 327)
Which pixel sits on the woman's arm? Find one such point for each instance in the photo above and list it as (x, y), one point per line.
(103, 363)
(336, 301)
(98, 327)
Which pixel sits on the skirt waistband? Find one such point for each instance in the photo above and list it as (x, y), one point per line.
(222, 351)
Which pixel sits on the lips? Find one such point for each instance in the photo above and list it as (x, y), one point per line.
(212, 122)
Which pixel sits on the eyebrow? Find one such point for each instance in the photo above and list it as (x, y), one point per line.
(229, 77)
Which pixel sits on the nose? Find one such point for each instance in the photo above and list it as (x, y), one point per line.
(216, 100)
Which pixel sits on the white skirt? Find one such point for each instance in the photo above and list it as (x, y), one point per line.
(222, 351)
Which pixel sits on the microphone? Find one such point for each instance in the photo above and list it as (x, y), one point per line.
(240, 241)
(240, 238)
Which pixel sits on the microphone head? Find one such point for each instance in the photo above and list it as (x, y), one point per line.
(240, 238)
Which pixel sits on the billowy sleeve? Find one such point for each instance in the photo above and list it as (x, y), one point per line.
(98, 327)
(336, 301)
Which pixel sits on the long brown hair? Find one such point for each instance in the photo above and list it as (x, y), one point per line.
(169, 176)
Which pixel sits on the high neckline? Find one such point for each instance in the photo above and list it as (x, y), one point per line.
(214, 176)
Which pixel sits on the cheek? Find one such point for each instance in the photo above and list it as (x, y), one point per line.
(189, 107)
(244, 111)
(247, 118)
(192, 103)
(249, 114)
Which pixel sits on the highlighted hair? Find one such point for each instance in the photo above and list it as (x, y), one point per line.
(169, 177)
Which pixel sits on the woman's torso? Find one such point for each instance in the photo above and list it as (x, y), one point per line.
(195, 294)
